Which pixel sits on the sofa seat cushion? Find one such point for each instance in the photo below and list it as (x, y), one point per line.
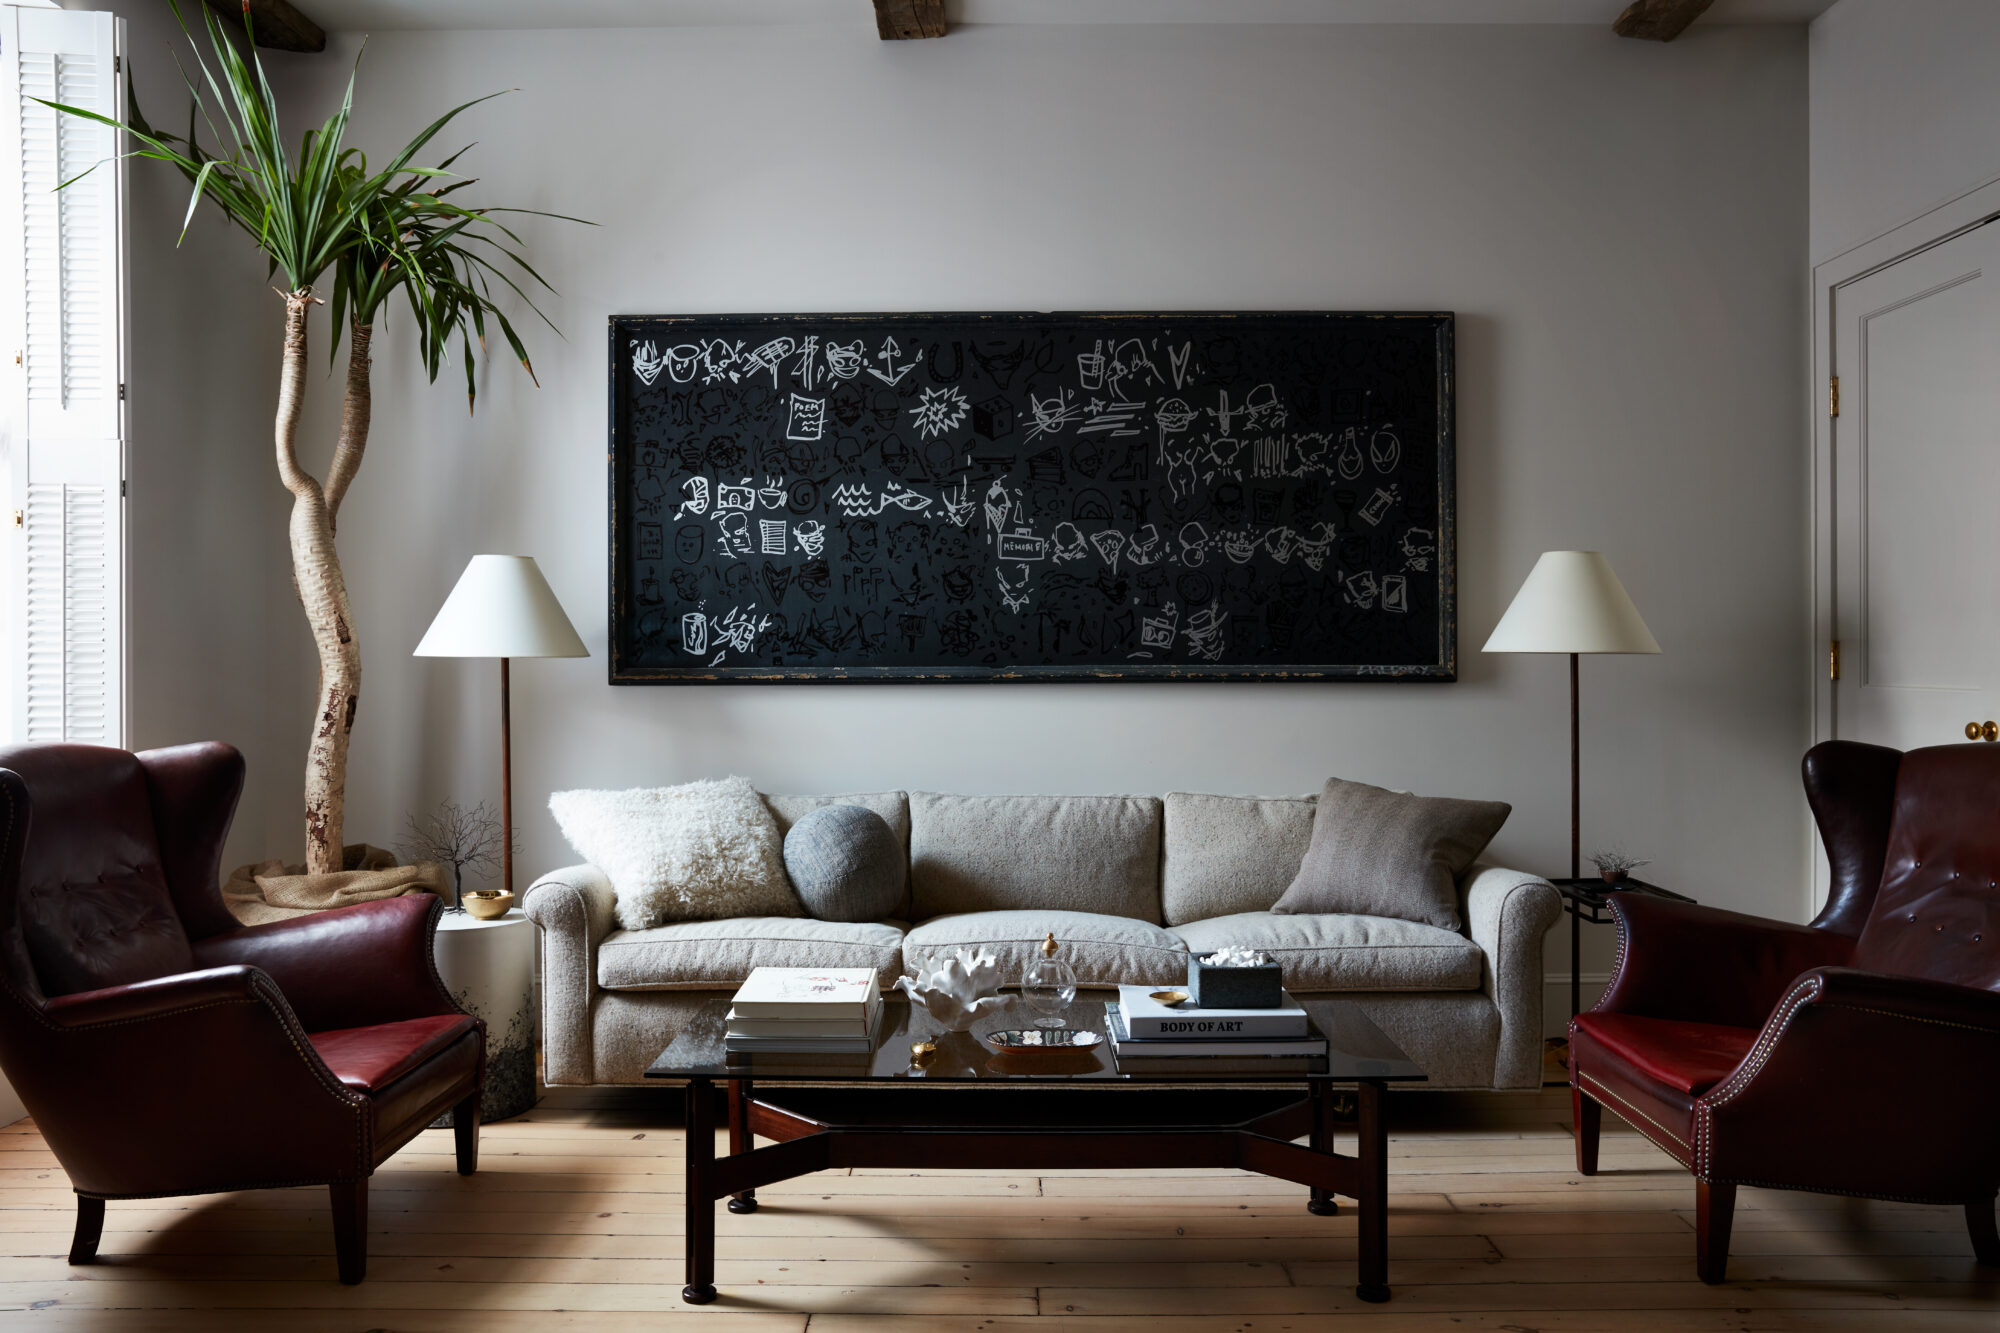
(1103, 950)
(371, 1058)
(719, 955)
(1022, 853)
(1341, 953)
(1688, 1057)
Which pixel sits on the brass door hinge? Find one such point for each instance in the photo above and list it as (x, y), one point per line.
(1833, 396)
(1833, 661)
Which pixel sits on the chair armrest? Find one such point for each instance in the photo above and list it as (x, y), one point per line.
(229, 984)
(1508, 914)
(1704, 965)
(575, 909)
(1863, 1083)
(348, 967)
(191, 1083)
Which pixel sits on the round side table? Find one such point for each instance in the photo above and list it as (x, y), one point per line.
(489, 968)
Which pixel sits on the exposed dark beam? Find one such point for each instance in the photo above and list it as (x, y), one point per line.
(1658, 20)
(277, 23)
(901, 20)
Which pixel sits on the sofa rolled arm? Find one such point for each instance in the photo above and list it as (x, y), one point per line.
(1508, 914)
(348, 966)
(575, 909)
(1851, 1058)
(1704, 965)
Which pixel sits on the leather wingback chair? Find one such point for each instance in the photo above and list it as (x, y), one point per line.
(1857, 1055)
(162, 1048)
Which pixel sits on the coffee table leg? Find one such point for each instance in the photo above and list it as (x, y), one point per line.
(1321, 1140)
(1374, 1159)
(700, 1288)
(741, 1140)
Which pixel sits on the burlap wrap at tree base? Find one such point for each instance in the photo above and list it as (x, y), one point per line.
(273, 891)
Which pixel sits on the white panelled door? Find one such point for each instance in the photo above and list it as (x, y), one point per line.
(1917, 495)
(60, 258)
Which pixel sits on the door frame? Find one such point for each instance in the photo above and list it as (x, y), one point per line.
(1946, 221)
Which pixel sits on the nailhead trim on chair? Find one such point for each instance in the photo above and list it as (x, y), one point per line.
(1602, 1093)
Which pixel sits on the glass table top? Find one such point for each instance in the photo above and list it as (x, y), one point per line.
(1356, 1049)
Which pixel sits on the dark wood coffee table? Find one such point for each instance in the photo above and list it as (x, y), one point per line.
(972, 1107)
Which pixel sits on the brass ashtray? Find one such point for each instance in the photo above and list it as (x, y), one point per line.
(922, 1053)
(1169, 997)
(487, 904)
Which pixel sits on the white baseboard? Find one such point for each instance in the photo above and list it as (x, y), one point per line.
(1555, 998)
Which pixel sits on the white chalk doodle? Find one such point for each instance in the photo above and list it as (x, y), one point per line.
(1194, 545)
(697, 501)
(855, 499)
(1049, 415)
(732, 536)
(1109, 543)
(1385, 450)
(737, 629)
(1418, 545)
(1361, 589)
(891, 373)
(1395, 593)
(774, 536)
(958, 508)
(1204, 632)
(1130, 363)
(843, 360)
(1066, 544)
(811, 537)
(805, 367)
(1022, 546)
(1090, 368)
(1349, 462)
(1158, 631)
(769, 357)
(903, 498)
(694, 633)
(1314, 550)
(807, 418)
(1179, 362)
(1146, 546)
(1000, 506)
(1379, 504)
(773, 494)
(1014, 596)
(1241, 547)
(1174, 416)
(939, 410)
(1114, 415)
(742, 497)
(647, 363)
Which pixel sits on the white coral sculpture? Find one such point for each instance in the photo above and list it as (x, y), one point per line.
(960, 991)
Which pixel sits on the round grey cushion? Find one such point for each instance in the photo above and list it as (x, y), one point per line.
(846, 864)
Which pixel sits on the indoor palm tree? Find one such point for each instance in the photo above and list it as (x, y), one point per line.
(317, 212)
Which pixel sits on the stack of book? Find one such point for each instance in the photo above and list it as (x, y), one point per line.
(1144, 1030)
(830, 1010)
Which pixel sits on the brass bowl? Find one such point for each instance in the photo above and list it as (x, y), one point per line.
(488, 904)
(1169, 997)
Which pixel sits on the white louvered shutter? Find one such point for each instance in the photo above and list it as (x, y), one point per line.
(64, 312)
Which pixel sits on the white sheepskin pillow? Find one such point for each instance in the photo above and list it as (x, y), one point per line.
(698, 852)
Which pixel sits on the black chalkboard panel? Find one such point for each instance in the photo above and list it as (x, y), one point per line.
(1032, 497)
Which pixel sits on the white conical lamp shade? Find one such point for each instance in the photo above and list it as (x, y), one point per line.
(502, 607)
(1572, 603)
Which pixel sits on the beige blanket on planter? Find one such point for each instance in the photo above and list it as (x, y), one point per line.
(272, 891)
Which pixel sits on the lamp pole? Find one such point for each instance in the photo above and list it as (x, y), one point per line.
(507, 780)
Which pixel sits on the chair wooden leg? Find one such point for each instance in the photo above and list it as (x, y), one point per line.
(1714, 1210)
(1588, 1117)
(1978, 1220)
(350, 1228)
(90, 1229)
(465, 1133)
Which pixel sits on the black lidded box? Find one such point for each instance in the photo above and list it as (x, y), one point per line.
(1211, 987)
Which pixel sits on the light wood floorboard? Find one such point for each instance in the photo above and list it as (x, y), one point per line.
(574, 1222)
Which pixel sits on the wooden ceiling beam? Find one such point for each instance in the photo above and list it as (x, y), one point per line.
(902, 20)
(277, 24)
(1659, 20)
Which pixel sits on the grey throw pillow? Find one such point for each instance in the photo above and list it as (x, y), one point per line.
(1383, 853)
(846, 864)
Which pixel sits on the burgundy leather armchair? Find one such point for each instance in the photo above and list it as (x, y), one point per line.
(163, 1049)
(1857, 1055)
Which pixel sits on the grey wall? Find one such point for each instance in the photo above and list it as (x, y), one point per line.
(1620, 226)
(1905, 113)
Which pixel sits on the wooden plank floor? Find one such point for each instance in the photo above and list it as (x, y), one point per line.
(574, 1222)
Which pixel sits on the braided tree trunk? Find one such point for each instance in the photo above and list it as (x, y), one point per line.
(323, 592)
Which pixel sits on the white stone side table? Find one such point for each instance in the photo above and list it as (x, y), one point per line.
(489, 968)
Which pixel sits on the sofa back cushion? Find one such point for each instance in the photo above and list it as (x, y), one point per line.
(893, 806)
(1228, 854)
(1006, 853)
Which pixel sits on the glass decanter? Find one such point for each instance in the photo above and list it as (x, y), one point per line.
(1048, 984)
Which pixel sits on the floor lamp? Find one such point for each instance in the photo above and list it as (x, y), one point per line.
(1572, 603)
(502, 607)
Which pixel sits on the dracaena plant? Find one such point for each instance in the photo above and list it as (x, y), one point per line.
(322, 214)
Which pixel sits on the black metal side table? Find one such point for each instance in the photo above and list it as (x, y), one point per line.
(1593, 896)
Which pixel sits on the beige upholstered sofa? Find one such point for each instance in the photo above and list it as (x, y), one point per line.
(1129, 884)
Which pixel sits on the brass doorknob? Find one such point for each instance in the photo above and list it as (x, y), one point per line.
(1982, 731)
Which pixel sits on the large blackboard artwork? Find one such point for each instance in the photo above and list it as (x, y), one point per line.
(1032, 497)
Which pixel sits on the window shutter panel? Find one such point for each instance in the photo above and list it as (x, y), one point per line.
(64, 312)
